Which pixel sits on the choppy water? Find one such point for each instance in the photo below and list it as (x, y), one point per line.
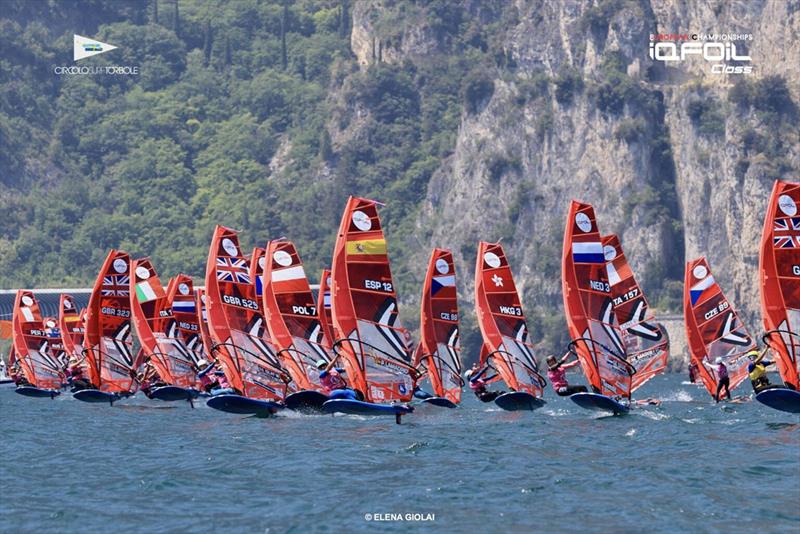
(687, 466)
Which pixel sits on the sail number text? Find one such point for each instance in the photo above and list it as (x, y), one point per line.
(632, 294)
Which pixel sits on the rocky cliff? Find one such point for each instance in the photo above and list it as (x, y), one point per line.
(676, 159)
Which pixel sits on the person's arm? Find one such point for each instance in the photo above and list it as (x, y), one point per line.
(707, 365)
(479, 374)
(762, 355)
(570, 365)
(207, 370)
(331, 364)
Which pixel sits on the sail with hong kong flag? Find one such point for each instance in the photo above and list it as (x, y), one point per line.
(506, 349)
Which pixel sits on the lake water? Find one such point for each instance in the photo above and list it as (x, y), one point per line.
(688, 466)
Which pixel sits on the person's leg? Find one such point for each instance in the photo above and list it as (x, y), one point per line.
(719, 388)
(728, 387)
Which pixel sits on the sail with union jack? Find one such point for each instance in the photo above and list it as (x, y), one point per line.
(115, 285)
(232, 270)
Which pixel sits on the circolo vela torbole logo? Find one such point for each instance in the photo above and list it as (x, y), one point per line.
(84, 47)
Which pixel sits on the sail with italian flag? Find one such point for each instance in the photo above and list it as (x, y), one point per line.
(156, 327)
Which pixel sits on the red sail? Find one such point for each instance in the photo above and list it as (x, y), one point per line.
(202, 319)
(37, 363)
(70, 322)
(181, 298)
(439, 349)
(236, 324)
(713, 328)
(108, 326)
(589, 306)
(291, 314)
(324, 308)
(502, 322)
(375, 346)
(779, 271)
(644, 343)
(156, 327)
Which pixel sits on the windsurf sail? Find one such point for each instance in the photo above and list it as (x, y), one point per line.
(324, 308)
(235, 322)
(589, 305)
(504, 329)
(644, 342)
(374, 348)
(157, 328)
(202, 319)
(71, 322)
(779, 271)
(107, 340)
(439, 349)
(713, 328)
(53, 333)
(32, 346)
(181, 298)
(291, 314)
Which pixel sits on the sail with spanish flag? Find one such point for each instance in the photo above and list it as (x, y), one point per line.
(324, 308)
(38, 365)
(644, 342)
(291, 314)
(71, 321)
(779, 274)
(374, 348)
(156, 327)
(590, 307)
(236, 324)
(506, 345)
(107, 340)
(439, 351)
(713, 328)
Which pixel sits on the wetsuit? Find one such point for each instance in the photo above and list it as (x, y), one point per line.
(758, 378)
(723, 380)
(335, 386)
(478, 386)
(558, 378)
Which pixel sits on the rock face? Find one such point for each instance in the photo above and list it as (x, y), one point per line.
(677, 160)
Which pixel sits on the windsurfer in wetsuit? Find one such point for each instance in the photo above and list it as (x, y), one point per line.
(478, 383)
(557, 373)
(149, 380)
(333, 383)
(723, 380)
(757, 370)
(75, 376)
(206, 380)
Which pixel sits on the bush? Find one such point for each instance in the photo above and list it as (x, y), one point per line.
(568, 83)
(706, 116)
(630, 129)
(477, 89)
(500, 164)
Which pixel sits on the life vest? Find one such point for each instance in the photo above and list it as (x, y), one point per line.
(758, 374)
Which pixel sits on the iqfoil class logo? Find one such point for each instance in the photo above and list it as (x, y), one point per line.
(718, 49)
(84, 47)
